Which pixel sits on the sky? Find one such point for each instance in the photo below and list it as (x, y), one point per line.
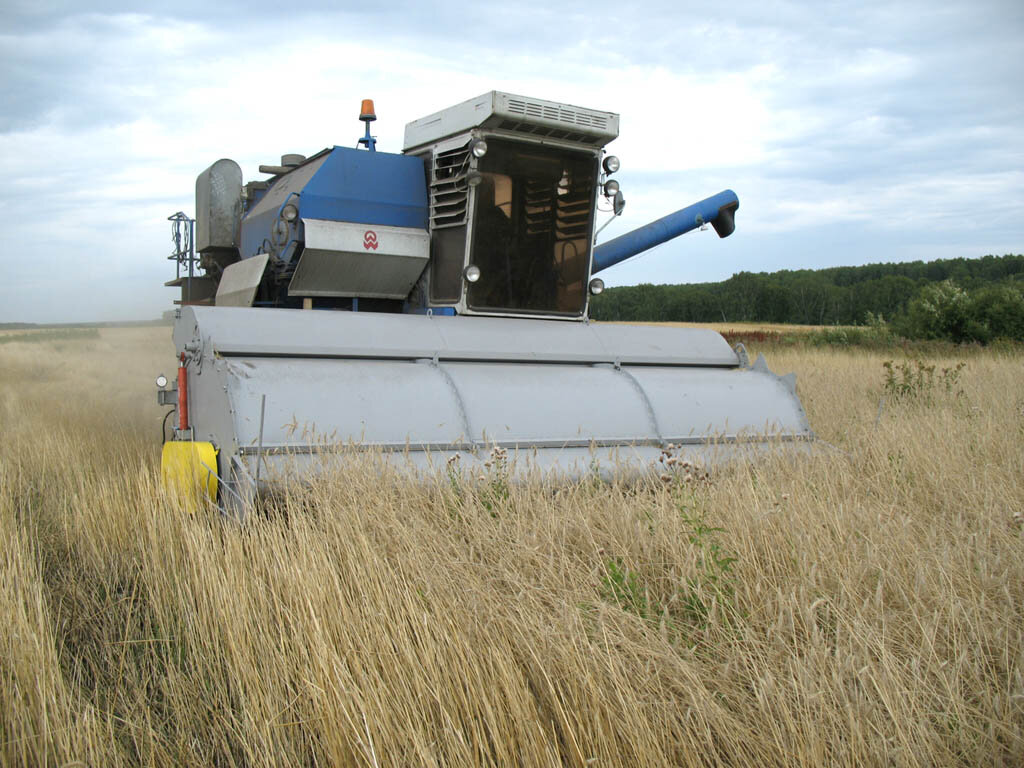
(852, 132)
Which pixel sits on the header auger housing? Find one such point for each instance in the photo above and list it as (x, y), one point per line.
(454, 266)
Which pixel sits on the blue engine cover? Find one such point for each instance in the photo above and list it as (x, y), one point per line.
(344, 184)
(368, 188)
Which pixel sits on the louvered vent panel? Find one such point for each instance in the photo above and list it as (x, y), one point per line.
(449, 192)
(558, 113)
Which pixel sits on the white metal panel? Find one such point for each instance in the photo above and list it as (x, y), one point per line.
(711, 402)
(551, 394)
(238, 331)
(394, 403)
(497, 109)
(346, 259)
(238, 284)
(341, 401)
(366, 239)
(522, 403)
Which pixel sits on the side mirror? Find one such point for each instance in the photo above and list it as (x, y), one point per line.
(619, 203)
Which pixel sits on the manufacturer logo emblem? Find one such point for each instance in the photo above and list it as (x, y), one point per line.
(370, 240)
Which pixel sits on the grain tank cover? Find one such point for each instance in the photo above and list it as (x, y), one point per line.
(506, 112)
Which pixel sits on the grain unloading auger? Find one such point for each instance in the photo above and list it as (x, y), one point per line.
(459, 273)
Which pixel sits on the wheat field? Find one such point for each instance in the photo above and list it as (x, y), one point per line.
(863, 607)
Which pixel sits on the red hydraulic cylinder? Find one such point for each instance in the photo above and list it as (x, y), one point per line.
(182, 394)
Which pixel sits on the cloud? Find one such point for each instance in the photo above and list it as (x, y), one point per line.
(870, 132)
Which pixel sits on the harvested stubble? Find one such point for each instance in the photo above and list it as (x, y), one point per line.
(872, 614)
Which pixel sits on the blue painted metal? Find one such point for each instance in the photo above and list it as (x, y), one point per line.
(368, 188)
(368, 141)
(675, 224)
(348, 185)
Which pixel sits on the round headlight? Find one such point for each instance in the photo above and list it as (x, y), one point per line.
(478, 147)
(596, 286)
(471, 273)
(611, 187)
(611, 164)
(161, 381)
(290, 212)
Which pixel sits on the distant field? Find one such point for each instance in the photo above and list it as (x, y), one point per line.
(722, 327)
(864, 607)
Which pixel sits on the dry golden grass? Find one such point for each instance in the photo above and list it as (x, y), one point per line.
(873, 615)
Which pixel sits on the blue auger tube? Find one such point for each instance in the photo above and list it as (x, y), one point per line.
(718, 211)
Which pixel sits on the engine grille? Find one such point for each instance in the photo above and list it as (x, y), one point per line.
(449, 191)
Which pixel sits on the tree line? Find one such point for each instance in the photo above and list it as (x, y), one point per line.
(901, 292)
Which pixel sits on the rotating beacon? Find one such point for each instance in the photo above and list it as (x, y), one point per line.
(434, 303)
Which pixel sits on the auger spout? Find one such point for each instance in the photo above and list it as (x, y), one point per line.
(718, 210)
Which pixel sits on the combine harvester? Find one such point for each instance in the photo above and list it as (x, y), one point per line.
(434, 303)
